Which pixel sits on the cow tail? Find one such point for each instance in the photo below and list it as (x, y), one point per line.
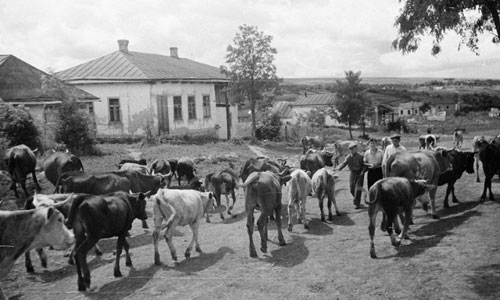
(373, 194)
(250, 180)
(73, 210)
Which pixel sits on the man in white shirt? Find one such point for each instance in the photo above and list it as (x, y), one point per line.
(391, 149)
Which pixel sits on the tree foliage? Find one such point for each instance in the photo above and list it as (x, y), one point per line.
(269, 128)
(250, 66)
(468, 18)
(72, 128)
(351, 102)
(17, 126)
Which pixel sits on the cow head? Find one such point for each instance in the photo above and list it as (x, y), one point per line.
(138, 202)
(53, 232)
(327, 158)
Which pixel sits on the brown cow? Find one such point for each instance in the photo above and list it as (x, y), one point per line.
(59, 162)
(312, 161)
(24, 230)
(312, 142)
(223, 182)
(263, 189)
(424, 164)
(20, 162)
(390, 195)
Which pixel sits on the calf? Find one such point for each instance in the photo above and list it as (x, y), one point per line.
(20, 162)
(263, 189)
(223, 182)
(179, 208)
(299, 187)
(141, 161)
(160, 166)
(312, 142)
(458, 138)
(24, 230)
(96, 217)
(391, 195)
(323, 183)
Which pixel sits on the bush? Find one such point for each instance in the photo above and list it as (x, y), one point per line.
(73, 129)
(17, 126)
(398, 125)
(269, 129)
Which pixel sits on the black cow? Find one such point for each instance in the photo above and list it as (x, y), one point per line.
(489, 154)
(312, 142)
(185, 168)
(460, 162)
(58, 163)
(20, 162)
(313, 161)
(96, 184)
(96, 217)
(391, 195)
(62, 202)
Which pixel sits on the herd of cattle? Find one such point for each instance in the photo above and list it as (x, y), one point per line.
(103, 205)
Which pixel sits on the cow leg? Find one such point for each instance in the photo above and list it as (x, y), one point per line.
(218, 195)
(38, 188)
(13, 187)
(250, 221)
(406, 226)
(233, 194)
(383, 224)
(320, 200)
(82, 247)
(119, 247)
(454, 198)
(194, 240)
(262, 227)
(372, 213)
(277, 212)
(156, 237)
(144, 224)
(448, 190)
(485, 187)
(432, 195)
(97, 250)
(229, 207)
(27, 262)
(391, 216)
(291, 208)
(23, 185)
(126, 247)
(492, 198)
(302, 207)
(42, 256)
(477, 167)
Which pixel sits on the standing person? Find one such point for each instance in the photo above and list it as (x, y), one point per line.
(391, 149)
(373, 161)
(355, 163)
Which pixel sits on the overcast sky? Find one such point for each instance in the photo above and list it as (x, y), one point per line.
(314, 38)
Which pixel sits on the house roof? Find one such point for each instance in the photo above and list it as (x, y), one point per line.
(20, 82)
(410, 105)
(138, 66)
(315, 100)
(284, 108)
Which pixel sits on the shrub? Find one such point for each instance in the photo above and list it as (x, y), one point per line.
(398, 125)
(73, 129)
(17, 126)
(270, 128)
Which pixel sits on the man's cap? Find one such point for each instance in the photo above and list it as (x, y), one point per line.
(396, 136)
(352, 145)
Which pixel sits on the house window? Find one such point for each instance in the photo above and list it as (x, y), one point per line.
(447, 107)
(439, 107)
(220, 94)
(401, 112)
(416, 111)
(114, 110)
(206, 106)
(191, 108)
(409, 112)
(177, 108)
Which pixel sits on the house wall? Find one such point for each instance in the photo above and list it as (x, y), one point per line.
(297, 110)
(138, 100)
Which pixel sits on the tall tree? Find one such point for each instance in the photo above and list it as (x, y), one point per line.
(468, 18)
(351, 102)
(250, 67)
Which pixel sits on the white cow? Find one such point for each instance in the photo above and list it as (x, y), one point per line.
(180, 208)
(299, 186)
(323, 183)
(136, 167)
(24, 230)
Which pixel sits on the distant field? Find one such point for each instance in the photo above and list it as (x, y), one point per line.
(368, 80)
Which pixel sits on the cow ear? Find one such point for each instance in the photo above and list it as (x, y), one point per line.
(48, 216)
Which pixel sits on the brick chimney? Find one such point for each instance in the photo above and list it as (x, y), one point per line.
(173, 52)
(123, 45)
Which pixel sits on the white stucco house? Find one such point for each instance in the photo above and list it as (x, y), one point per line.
(173, 95)
(307, 102)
